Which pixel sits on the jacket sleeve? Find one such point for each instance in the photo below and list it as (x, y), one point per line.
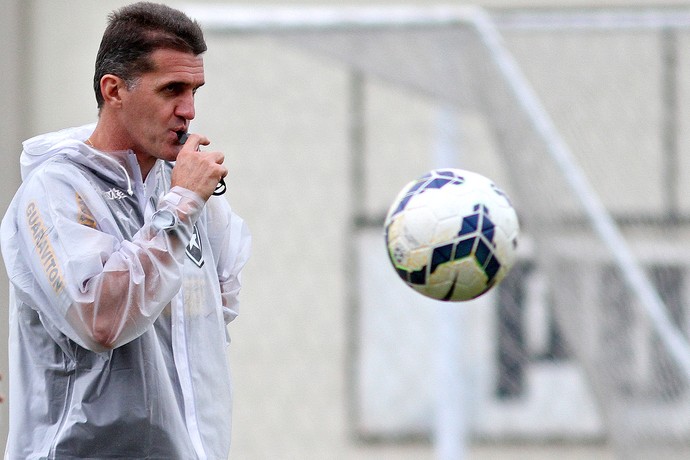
(97, 287)
(231, 246)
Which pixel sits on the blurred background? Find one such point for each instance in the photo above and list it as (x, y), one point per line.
(325, 111)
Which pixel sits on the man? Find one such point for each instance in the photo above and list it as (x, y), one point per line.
(124, 267)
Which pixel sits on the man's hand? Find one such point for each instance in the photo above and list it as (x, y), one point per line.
(198, 171)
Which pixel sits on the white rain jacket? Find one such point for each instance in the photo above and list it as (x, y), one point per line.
(121, 291)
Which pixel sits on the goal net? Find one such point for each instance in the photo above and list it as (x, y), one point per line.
(577, 115)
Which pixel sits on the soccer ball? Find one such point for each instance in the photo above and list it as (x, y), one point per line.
(452, 234)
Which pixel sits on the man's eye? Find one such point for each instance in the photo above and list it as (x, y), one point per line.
(172, 88)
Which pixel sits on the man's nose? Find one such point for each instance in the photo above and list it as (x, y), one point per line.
(185, 108)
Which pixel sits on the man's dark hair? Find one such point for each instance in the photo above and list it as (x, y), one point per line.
(134, 32)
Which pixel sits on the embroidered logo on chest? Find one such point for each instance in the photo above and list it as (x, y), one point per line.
(194, 250)
(114, 194)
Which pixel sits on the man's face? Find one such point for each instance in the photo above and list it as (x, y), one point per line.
(161, 103)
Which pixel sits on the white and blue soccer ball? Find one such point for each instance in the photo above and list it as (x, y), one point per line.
(452, 234)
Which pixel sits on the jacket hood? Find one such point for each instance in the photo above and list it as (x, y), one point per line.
(69, 142)
(42, 147)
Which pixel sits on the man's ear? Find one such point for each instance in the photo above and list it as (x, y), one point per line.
(112, 87)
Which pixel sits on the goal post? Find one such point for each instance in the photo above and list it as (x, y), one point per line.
(596, 214)
(546, 105)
